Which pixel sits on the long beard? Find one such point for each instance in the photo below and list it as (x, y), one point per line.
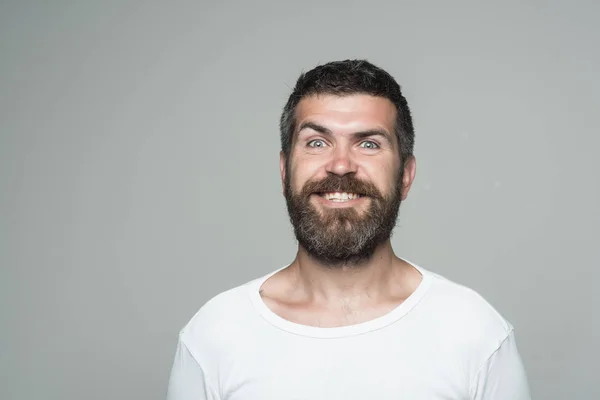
(342, 236)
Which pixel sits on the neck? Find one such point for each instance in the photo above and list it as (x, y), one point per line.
(370, 278)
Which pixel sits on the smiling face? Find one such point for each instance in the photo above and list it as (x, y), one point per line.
(343, 181)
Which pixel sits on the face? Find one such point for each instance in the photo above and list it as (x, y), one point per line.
(343, 182)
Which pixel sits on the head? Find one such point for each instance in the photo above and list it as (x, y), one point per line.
(346, 159)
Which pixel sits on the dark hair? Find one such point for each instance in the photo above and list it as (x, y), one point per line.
(344, 78)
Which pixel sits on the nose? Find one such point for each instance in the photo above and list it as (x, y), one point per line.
(341, 162)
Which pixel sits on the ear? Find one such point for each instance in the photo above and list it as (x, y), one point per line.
(410, 170)
(282, 170)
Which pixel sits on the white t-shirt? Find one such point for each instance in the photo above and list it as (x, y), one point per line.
(443, 342)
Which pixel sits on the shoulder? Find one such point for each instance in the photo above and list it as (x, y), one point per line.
(464, 314)
(221, 311)
(227, 321)
(218, 322)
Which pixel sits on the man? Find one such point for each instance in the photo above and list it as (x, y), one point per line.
(347, 319)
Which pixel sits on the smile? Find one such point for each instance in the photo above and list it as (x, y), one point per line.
(339, 197)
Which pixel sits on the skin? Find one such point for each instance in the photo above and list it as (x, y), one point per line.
(343, 135)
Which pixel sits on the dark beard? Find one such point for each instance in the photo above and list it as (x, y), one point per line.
(341, 236)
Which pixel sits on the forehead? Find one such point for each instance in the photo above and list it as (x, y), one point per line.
(357, 111)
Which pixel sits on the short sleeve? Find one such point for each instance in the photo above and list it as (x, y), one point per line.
(502, 376)
(188, 381)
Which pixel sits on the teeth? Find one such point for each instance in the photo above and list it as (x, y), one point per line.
(340, 196)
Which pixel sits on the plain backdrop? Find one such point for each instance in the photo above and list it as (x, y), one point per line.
(139, 172)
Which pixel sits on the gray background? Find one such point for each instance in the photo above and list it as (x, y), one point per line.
(139, 172)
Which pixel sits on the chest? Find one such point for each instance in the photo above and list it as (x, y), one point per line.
(344, 369)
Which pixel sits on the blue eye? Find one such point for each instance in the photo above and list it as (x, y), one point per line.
(369, 144)
(317, 143)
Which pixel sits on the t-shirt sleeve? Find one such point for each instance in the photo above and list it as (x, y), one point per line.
(502, 376)
(188, 381)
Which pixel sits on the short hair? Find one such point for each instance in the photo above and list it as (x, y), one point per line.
(343, 78)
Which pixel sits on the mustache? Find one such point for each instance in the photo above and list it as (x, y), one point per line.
(346, 183)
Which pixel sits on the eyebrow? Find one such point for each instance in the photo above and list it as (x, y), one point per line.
(356, 135)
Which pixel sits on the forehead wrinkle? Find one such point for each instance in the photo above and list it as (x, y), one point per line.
(346, 115)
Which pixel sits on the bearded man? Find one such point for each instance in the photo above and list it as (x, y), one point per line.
(347, 318)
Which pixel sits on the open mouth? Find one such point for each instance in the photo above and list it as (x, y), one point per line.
(339, 197)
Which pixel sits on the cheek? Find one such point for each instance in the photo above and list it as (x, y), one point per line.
(383, 175)
(301, 172)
